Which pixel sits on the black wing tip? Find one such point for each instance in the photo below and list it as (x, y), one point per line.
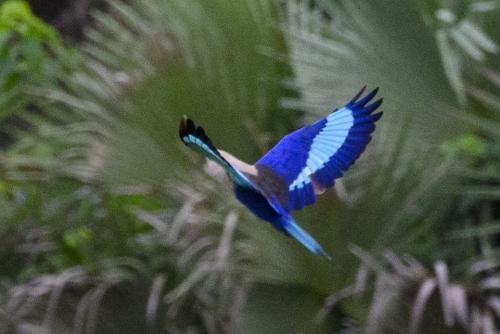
(186, 127)
(377, 116)
(358, 103)
(358, 94)
(375, 105)
(367, 98)
(370, 95)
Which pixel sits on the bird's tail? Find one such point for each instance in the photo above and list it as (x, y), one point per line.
(305, 239)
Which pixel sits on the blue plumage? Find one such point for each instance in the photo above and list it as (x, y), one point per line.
(327, 149)
(302, 165)
(258, 204)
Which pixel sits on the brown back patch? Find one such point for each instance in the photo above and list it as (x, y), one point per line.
(271, 184)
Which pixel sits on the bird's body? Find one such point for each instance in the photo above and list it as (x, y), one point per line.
(302, 165)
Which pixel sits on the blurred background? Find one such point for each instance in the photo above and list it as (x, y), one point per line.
(108, 224)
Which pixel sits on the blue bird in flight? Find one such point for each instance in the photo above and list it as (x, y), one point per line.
(301, 166)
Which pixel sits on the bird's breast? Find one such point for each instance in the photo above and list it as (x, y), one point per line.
(257, 203)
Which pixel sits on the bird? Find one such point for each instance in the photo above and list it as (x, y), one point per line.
(302, 165)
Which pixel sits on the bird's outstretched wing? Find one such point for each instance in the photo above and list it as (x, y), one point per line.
(194, 137)
(308, 160)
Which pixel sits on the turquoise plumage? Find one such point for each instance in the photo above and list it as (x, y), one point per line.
(302, 165)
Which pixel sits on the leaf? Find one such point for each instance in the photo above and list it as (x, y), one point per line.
(425, 292)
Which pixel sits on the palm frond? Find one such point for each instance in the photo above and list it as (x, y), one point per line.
(460, 39)
(406, 288)
(113, 125)
(191, 280)
(131, 100)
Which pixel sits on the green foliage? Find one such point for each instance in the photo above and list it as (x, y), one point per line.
(94, 227)
(470, 145)
(16, 15)
(71, 241)
(31, 53)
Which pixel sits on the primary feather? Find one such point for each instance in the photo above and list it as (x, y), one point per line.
(300, 167)
(311, 158)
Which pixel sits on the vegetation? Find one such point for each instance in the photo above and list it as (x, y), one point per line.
(109, 225)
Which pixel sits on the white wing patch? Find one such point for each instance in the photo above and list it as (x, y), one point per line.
(190, 139)
(325, 145)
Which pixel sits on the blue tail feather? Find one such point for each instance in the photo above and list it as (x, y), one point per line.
(305, 239)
